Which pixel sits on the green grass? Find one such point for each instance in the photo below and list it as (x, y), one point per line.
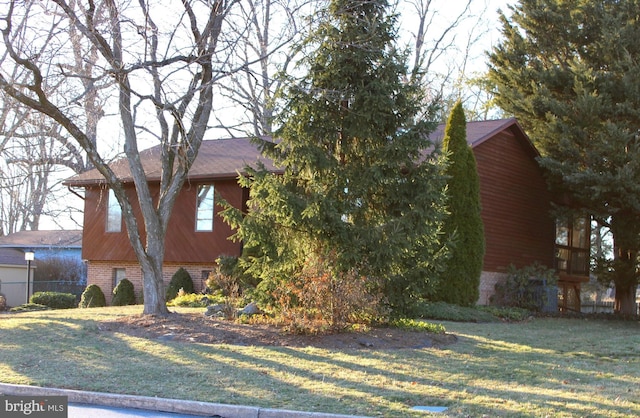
(541, 367)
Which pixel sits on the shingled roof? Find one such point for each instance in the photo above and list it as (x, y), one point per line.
(480, 131)
(217, 159)
(226, 158)
(42, 239)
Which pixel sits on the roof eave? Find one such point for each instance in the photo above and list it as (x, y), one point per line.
(511, 123)
(200, 177)
(490, 134)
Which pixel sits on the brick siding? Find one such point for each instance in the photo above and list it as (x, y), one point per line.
(101, 274)
(488, 280)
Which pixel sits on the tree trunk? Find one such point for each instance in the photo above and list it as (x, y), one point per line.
(151, 254)
(102, 58)
(625, 302)
(625, 280)
(625, 229)
(154, 289)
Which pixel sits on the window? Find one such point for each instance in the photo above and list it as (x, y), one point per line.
(572, 245)
(118, 275)
(114, 213)
(204, 208)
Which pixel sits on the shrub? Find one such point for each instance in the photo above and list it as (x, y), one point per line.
(181, 280)
(194, 300)
(460, 279)
(92, 297)
(3, 303)
(27, 307)
(230, 266)
(507, 313)
(418, 326)
(54, 300)
(61, 270)
(228, 285)
(221, 280)
(323, 300)
(524, 288)
(447, 312)
(124, 294)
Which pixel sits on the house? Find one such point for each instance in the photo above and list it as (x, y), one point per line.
(516, 209)
(195, 238)
(39, 246)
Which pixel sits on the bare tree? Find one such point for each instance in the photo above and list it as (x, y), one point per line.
(444, 41)
(37, 153)
(443, 38)
(29, 153)
(24, 180)
(161, 66)
(262, 50)
(34, 159)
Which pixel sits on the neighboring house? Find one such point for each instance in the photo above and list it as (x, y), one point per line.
(44, 245)
(13, 276)
(516, 209)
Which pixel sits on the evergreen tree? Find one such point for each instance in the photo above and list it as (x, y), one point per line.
(358, 187)
(460, 280)
(568, 71)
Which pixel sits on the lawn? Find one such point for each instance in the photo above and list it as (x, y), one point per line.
(541, 367)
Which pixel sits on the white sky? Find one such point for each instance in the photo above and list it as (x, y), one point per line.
(445, 9)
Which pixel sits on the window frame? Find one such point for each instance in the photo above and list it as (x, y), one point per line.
(113, 211)
(202, 223)
(573, 257)
(118, 273)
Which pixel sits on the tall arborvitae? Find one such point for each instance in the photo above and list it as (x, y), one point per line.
(357, 187)
(460, 280)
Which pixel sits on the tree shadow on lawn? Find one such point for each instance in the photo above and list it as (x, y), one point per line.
(478, 375)
(390, 382)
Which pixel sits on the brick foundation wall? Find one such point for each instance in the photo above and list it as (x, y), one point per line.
(488, 280)
(102, 274)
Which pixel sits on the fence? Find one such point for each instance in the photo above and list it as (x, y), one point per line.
(15, 292)
(59, 286)
(601, 307)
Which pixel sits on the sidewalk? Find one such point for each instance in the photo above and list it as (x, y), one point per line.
(138, 406)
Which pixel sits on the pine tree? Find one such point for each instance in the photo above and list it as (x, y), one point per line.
(568, 71)
(460, 279)
(358, 189)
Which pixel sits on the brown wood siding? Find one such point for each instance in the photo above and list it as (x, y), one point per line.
(183, 243)
(515, 202)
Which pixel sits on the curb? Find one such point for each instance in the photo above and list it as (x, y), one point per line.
(163, 404)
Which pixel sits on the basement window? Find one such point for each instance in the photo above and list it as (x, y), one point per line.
(118, 275)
